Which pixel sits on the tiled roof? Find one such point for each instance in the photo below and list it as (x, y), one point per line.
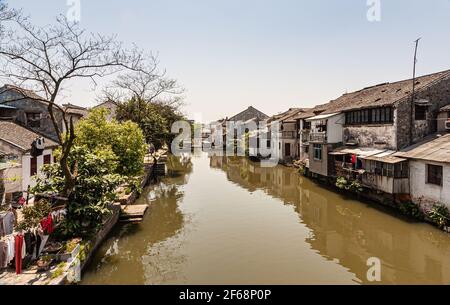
(21, 137)
(445, 108)
(249, 113)
(24, 92)
(74, 109)
(387, 94)
(434, 148)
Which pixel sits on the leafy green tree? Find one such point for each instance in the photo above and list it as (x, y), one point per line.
(94, 188)
(155, 119)
(105, 155)
(125, 140)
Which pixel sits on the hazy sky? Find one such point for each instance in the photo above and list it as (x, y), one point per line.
(274, 55)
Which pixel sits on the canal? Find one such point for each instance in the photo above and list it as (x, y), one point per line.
(228, 221)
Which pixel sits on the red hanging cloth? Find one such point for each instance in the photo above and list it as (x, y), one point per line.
(47, 225)
(18, 248)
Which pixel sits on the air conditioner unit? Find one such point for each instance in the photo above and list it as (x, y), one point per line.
(447, 125)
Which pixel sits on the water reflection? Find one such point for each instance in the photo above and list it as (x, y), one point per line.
(347, 231)
(129, 255)
(219, 220)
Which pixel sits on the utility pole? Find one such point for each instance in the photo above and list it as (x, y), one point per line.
(413, 93)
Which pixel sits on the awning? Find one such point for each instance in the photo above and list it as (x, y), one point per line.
(385, 156)
(322, 117)
(360, 152)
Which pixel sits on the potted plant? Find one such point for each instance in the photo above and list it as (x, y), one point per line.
(69, 251)
(44, 263)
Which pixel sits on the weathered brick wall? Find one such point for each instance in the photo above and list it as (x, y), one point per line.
(25, 106)
(438, 95)
(381, 136)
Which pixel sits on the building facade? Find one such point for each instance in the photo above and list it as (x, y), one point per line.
(17, 140)
(30, 110)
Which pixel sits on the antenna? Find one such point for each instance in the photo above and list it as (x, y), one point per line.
(413, 91)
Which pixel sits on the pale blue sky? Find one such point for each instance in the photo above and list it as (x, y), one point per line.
(270, 54)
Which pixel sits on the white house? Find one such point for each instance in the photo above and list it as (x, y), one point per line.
(326, 134)
(17, 140)
(429, 165)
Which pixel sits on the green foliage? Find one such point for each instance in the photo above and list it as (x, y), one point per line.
(411, 209)
(95, 187)
(32, 215)
(439, 215)
(154, 119)
(353, 186)
(125, 140)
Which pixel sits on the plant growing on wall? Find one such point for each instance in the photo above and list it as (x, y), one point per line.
(439, 215)
(353, 186)
(411, 209)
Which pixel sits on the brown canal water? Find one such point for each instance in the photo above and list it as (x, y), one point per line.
(229, 221)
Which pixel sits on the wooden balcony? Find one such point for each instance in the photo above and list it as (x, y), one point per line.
(318, 137)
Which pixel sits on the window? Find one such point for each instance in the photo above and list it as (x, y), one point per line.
(33, 166)
(434, 174)
(420, 112)
(47, 159)
(34, 120)
(369, 116)
(306, 125)
(318, 152)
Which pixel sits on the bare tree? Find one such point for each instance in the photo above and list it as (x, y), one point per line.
(149, 84)
(6, 13)
(46, 59)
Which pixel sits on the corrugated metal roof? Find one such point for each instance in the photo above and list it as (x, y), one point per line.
(435, 148)
(322, 117)
(7, 107)
(385, 156)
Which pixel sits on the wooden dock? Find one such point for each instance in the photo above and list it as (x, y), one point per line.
(133, 213)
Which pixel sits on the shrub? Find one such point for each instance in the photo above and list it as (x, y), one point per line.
(354, 186)
(439, 215)
(411, 209)
(32, 215)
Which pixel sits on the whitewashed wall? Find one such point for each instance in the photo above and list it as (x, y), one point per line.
(26, 167)
(430, 192)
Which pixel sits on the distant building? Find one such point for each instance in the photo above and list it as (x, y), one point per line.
(250, 114)
(17, 140)
(111, 107)
(75, 112)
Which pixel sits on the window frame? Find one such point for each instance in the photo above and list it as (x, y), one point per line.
(34, 119)
(435, 178)
(33, 166)
(318, 152)
(379, 115)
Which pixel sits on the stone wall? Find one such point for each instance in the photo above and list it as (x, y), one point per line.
(438, 96)
(25, 106)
